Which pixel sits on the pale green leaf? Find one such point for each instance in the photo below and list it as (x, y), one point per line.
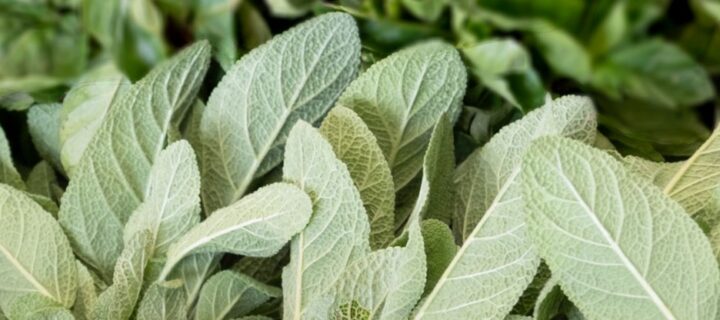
(44, 121)
(610, 236)
(163, 301)
(111, 179)
(496, 261)
(84, 109)
(563, 53)
(118, 301)
(338, 231)
(35, 306)
(258, 225)
(214, 20)
(230, 294)
(290, 8)
(440, 249)
(297, 75)
(401, 97)
(86, 293)
(8, 173)
(356, 146)
(193, 271)
(660, 173)
(426, 10)
(42, 181)
(388, 282)
(172, 204)
(35, 255)
(553, 304)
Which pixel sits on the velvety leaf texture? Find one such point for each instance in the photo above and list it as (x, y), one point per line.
(297, 75)
(111, 179)
(230, 294)
(602, 230)
(401, 97)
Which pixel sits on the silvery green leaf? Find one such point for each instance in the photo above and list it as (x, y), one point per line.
(35, 306)
(191, 131)
(258, 225)
(356, 146)
(610, 236)
(297, 75)
(338, 232)
(172, 204)
(553, 304)
(42, 181)
(46, 203)
(496, 261)
(697, 178)
(8, 173)
(118, 301)
(35, 255)
(527, 301)
(388, 282)
(193, 271)
(86, 293)
(440, 249)
(111, 179)
(163, 301)
(84, 109)
(435, 198)
(401, 97)
(659, 173)
(229, 294)
(44, 121)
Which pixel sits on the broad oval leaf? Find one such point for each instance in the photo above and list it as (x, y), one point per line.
(111, 179)
(338, 231)
(356, 146)
(229, 294)
(35, 255)
(611, 236)
(401, 97)
(496, 262)
(297, 75)
(258, 225)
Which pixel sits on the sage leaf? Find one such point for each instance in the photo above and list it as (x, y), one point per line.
(401, 97)
(163, 301)
(596, 225)
(86, 293)
(42, 181)
(496, 261)
(258, 225)
(338, 230)
(440, 249)
(35, 255)
(296, 75)
(111, 179)
(229, 294)
(44, 121)
(355, 145)
(37, 306)
(8, 174)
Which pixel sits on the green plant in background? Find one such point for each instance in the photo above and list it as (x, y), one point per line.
(352, 168)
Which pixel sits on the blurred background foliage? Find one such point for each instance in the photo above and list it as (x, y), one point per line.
(651, 66)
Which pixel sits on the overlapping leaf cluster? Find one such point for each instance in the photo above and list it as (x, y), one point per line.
(304, 189)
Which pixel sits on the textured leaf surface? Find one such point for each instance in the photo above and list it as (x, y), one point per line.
(42, 181)
(192, 271)
(111, 179)
(356, 146)
(86, 293)
(172, 204)
(8, 173)
(35, 255)
(84, 109)
(258, 225)
(163, 301)
(229, 294)
(44, 122)
(388, 282)
(297, 75)
(401, 97)
(338, 230)
(496, 261)
(602, 230)
(118, 301)
(440, 249)
(35, 306)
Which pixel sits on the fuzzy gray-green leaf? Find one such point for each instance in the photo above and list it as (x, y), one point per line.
(297, 75)
(356, 146)
(401, 97)
(611, 236)
(111, 179)
(163, 301)
(8, 173)
(44, 121)
(229, 294)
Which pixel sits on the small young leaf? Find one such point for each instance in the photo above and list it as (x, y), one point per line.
(44, 121)
(401, 97)
(229, 294)
(8, 173)
(297, 75)
(440, 249)
(356, 146)
(602, 231)
(35, 255)
(42, 181)
(86, 293)
(258, 225)
(111, 179)
(338, 232)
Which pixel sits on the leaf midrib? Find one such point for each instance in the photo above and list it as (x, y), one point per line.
(26, 274)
